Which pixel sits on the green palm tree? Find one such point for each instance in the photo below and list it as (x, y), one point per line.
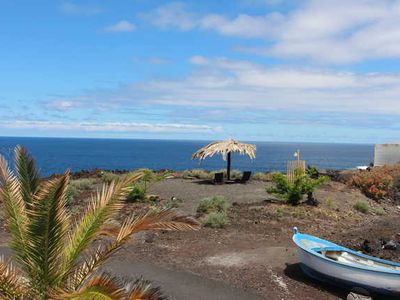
(56, 257)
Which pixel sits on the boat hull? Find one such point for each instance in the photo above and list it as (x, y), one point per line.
(339, 274)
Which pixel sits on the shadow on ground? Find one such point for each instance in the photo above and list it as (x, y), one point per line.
(295, 272)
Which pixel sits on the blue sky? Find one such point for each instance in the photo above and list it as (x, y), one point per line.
(269, 70)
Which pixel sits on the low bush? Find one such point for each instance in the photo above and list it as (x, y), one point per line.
(362, 206)
(137, 194)
(83, 184)
(70, 193)
(173, 202)
(380, 211)
(108, 177)
(139, 191)
(262, 176)
(197, 173)
(215, 220)
(203, 174)
(78, 185)
(375, 184)
(212, 204)
(294, 190)
(330, 203)
(312, 171)
(279, 212)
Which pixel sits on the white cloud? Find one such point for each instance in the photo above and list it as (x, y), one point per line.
(63, 104)
(199, 60)
(79, 9)
(173, 14)
(123, 127)
(243, 25)
(121, 26)
(329, 31)
(240, 85)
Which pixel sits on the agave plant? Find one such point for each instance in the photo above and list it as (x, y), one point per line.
(57, 258)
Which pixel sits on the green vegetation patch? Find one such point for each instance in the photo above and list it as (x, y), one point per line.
(215, 220)
(292, 191)
(197, 173)
(362, 206)
(214, 211)
(213, 204)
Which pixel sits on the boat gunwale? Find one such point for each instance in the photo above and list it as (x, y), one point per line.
(381, 270)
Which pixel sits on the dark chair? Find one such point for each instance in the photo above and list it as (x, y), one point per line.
(218, 178)
(245, 177)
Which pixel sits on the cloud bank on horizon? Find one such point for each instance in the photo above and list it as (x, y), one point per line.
(253, 69)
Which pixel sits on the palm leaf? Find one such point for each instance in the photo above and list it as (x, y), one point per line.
(142, 290)
(164, 220)
(15, 210)
(107, 201)
(11, 286)
(48, 228)
(27, 173)
(100, 287)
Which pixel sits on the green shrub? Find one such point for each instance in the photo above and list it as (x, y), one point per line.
(362, 206)
(139, 190)
(330, 203)
(173, 202)
(108, 177)
(279, 212)
(215, 220)
(312, 171)
(293, 191)
(197, 173)
(137, 194)
(262, 176)
(83, 184)
(150, 177)
(212, 204)
(70, 193)
(380, 211)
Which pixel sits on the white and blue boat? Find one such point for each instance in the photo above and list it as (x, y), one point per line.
(331, 263)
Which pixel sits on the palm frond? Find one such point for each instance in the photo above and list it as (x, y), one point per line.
(165, 220)
(15, 209)
(11, 286)
(48, 227)
(102, 286)
(106, 202)
(27, 173)
(143, 290)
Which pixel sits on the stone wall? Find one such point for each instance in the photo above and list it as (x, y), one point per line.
(386, 154)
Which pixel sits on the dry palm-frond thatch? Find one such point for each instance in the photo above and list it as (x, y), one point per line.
(52, 253)
(225, 147)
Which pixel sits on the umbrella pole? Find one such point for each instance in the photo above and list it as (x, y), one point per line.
(228, 170)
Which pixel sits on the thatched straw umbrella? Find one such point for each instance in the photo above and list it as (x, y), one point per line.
(226, 148)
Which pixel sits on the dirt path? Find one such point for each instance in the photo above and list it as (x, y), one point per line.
(179, 285)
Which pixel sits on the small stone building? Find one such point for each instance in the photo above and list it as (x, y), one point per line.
(387, 154)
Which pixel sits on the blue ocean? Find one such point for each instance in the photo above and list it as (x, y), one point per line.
(54, 155)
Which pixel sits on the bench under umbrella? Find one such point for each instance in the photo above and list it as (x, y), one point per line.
(225, 148)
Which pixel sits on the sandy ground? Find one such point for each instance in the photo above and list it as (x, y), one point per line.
(192, 191)
(255, 251)
(252, 257)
